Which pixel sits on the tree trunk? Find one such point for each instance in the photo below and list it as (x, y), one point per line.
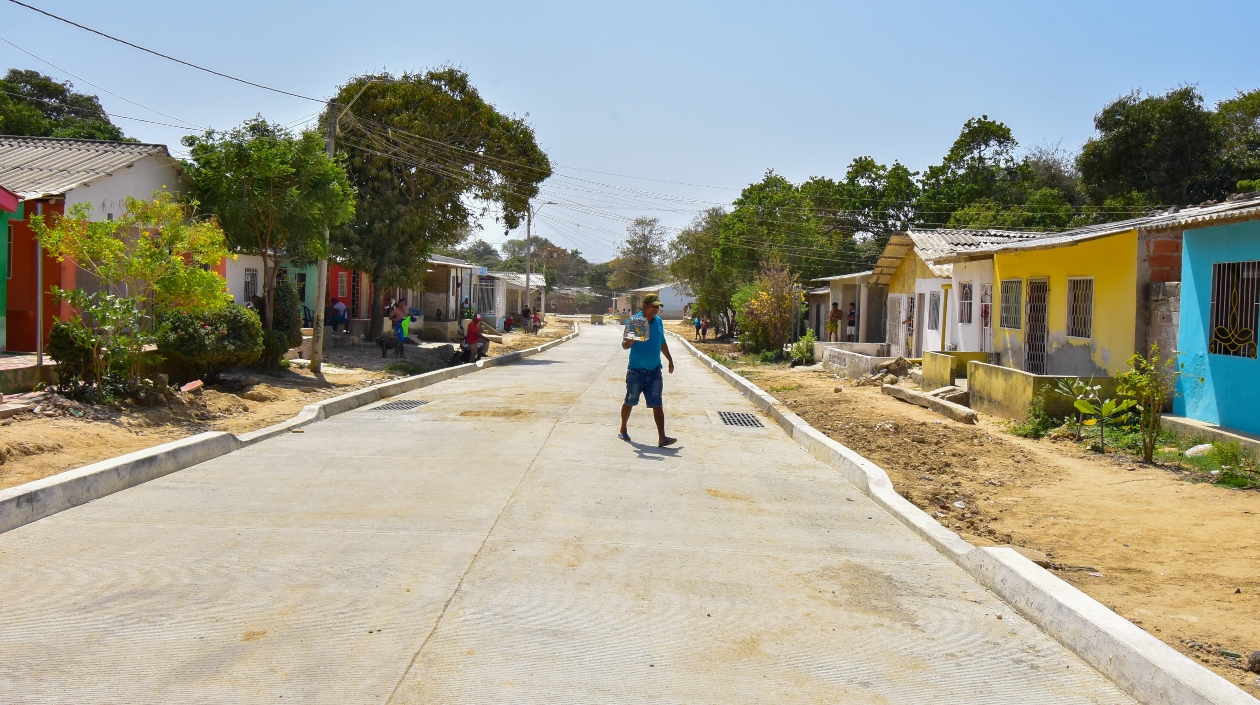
(269, 289)
(376, 317)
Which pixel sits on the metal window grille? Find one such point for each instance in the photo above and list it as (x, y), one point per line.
(986, 317)
(251, 284)
(343, 284)
(1038, 325)
(964, 302)
(934, 311)
(1235, 308)
(1080, 308)
(356, 294)
(483, 297)
(1012, 303)
(739, 418)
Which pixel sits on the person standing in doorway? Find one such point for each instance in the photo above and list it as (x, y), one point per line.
(644, 337)
(833, 323)
(851, 326)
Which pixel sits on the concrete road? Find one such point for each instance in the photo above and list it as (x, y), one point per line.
(500, 545)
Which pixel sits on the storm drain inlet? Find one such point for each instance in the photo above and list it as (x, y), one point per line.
(739, 418)
(401, 405)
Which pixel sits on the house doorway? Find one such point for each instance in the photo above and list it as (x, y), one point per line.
(986, 318)
(918, 325)
(1035, 336)
(895, 325)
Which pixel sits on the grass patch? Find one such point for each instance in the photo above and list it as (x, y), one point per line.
(1037, 423)
(405, 368)
(785, 388)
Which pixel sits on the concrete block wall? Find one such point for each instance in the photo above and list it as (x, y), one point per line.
(850, 364)
(1007, 392)
(1164, 314)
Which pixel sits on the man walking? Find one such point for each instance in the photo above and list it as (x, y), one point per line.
(645, 339)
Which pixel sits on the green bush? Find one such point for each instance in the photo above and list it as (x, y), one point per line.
(70, 346)
(1038, 423)
(275, 343)
(211, 341)
(803, 349)
(286, 313)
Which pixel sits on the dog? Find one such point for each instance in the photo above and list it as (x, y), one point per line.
(389, 341)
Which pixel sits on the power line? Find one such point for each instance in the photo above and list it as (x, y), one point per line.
(138, 105)
(164, 56)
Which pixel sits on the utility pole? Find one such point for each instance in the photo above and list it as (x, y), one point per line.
(39, 300)
(321, 287)
(529, 225)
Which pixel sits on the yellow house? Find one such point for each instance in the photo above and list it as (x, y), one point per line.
(1078, 302)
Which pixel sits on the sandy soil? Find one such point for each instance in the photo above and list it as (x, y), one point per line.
(556, 327)
(1177, 558)
(64, 435)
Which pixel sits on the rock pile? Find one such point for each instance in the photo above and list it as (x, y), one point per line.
(896, 371)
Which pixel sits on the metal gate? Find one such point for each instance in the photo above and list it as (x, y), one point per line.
(483, 298)
(894, 325)
(986, 318)
(1035, 336)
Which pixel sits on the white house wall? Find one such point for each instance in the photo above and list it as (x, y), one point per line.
(932, 338)
(970, 336)
(675, 301)
(107, 194)
(236, 275)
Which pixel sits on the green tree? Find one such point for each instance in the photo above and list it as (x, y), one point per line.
(1238, 120)
(421, 149)
(1165, 147)
(981, 169)
(272, 191)
(641, 257)
(39, 106)
(692, 262)
(479, 252)
(597, 278)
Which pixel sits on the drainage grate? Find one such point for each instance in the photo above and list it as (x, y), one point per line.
(401, 405)
(739, 418)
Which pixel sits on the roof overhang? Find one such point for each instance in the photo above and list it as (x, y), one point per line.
(9, 201)
(855, 277)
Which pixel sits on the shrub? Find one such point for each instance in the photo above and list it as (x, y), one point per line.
(211, 341)
(764, 308)
(803, 349)
(1038, 423)
(275, 343)
(286, 312)
(1150, 384)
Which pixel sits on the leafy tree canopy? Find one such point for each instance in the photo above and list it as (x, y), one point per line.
(421, 149)
(272, 191)
(640, 259)
(1165, 147)
(36, 105)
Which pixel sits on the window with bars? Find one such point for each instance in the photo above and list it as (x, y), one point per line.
(343, 284)
(1080, 308)
(1012, 304)
(251, 284)
(965, 294)
(1235, 308)
(934, 311)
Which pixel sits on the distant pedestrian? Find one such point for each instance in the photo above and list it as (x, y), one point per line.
(851, 327)
(833, 323)
(396, 315)
(698, 326)
(704, 328)
(644, 337)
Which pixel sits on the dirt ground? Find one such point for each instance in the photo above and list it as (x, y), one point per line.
(1177, 558)
(63, 435)
(556, 327)
(57, 435)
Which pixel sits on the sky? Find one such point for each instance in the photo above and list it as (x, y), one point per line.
(685, 100)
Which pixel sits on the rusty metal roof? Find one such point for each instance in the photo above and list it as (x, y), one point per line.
(36, 167)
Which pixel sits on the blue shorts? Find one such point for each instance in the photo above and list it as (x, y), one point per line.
(645, 382)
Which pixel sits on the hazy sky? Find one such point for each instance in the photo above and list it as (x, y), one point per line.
(711, 94)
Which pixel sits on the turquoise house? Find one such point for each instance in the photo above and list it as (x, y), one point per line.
(1220, 313)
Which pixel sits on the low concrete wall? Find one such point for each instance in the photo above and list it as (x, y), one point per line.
(23, 379)
(35, 500)
(1193, 427)
(850, 364)
(1007, 392)
(870, 349)
(1149, 670)
(940, 369)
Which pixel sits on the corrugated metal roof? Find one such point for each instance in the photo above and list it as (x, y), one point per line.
(452, 262)
(937, 246)
(894, 251)
(838, 277)
(34, 167)
(1243, 207)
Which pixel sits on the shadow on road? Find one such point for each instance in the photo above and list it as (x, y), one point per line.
(653, 452)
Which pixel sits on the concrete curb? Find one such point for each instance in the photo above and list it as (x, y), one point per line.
(33, 501)
(1146, 668)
